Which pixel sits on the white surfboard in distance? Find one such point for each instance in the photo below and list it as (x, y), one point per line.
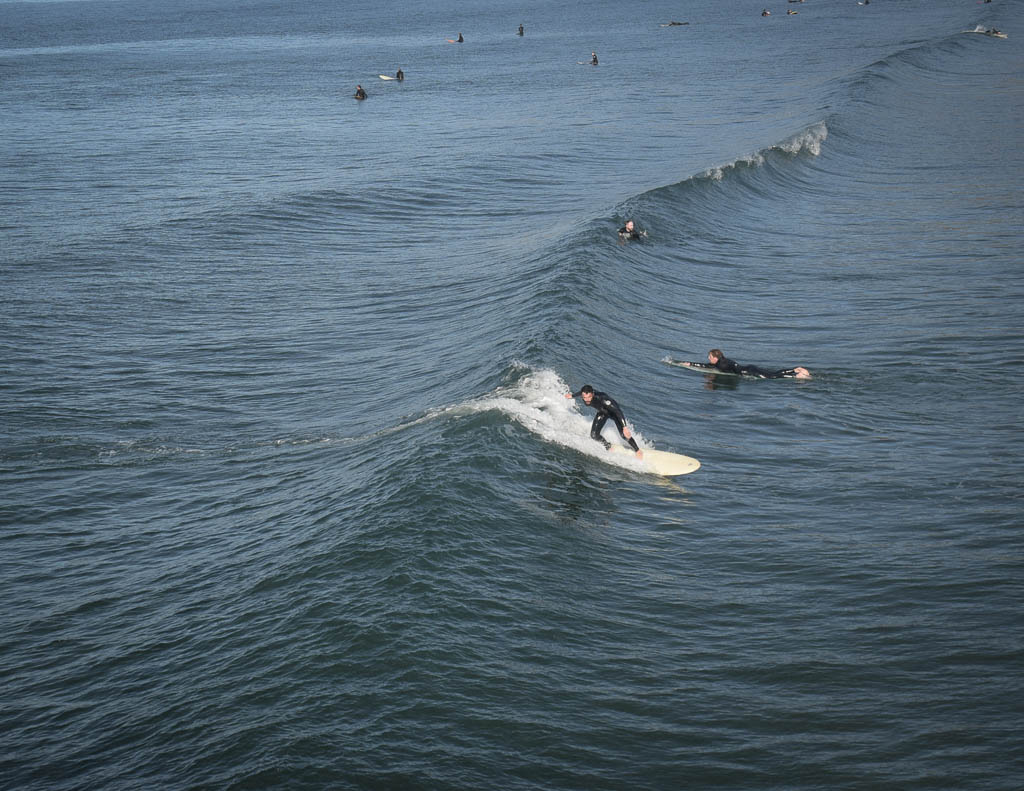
(987, 31)
(660, 462)
(385, 77)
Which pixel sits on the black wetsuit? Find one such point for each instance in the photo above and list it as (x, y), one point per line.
(360, 93)
(593, 61)
(727, 366)
(625, 233)
(400, 75)
(606, 408)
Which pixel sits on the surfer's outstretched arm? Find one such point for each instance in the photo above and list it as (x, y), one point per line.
(612, 410)
(628, 436)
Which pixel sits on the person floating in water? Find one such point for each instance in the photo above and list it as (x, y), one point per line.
(629, 231)
(520, 30)
(593, 58)
(360, 93)
(766, 12)
(606, 408)
(459, 39)
(399, 75)
(719, 362)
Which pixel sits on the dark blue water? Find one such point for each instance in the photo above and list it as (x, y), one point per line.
(290, 496)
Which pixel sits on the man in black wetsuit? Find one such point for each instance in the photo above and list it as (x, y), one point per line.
(360, 93)
(629, 231)
(606, 408)
(719, 362)
(593, 58)
(400, 75)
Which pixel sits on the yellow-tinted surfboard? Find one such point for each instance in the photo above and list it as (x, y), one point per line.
(661, 462)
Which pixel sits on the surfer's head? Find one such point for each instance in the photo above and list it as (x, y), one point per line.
(715, 355)
(629, 225)
(587, 392)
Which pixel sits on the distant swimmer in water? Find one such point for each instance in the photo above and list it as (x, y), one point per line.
(593, 58)
(674, 24)
(629, 231)
(520, 30)
(719, 362)
(399, 75)
(606, 408)
(766, 12)
(459, 39)
(360, 93)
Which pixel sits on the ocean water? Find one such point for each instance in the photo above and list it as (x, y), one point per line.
(290, 496)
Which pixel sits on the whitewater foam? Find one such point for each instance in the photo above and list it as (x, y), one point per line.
(808, 140)
(537, 402)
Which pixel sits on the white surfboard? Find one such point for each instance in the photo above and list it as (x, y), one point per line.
(385, 77)
(660, 462)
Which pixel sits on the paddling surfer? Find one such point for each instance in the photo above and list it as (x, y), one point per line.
(719, 362)
(606, 407)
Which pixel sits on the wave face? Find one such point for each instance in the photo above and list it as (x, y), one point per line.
(292, 496)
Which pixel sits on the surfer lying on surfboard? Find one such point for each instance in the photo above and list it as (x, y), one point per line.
(719, 362)
(606, 408)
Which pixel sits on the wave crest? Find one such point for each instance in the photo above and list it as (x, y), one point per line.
(808, 140)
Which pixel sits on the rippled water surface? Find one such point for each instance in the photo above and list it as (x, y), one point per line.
(290, 496)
